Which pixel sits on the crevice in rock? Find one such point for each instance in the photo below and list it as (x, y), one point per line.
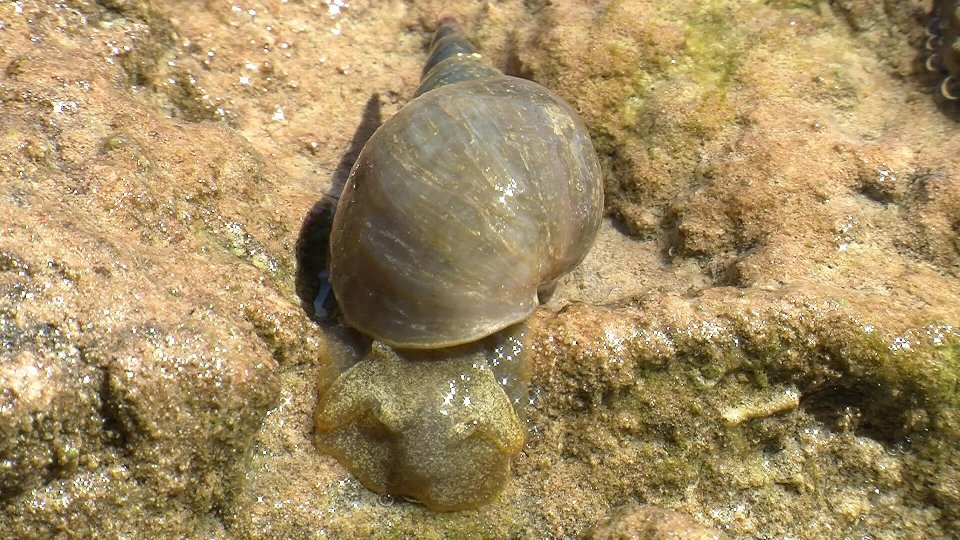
(611, 396)
(728, 275)
(218, 513)
(147, 61)
(671, 240)
(143, 62)
(513, 65)
(875, 194)
(864, 408)
(11, 263)
(115, 431)
(267, 333)
(534, 6)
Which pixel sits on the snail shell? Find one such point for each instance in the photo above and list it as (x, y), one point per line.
(943, 48)
(481, 192)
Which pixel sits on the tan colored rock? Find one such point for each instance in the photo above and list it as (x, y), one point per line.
(651, 523)
(783, 195)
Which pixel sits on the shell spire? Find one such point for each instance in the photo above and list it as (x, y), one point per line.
(452, 59)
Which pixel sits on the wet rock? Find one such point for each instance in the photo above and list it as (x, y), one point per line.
(650, 523)
(769, 416)
(889, 28)
(118, 394)
(764, 335)
(132, 380)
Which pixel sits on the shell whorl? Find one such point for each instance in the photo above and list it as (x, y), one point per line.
(452, 59)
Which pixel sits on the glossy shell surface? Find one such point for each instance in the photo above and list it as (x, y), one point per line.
(459, 208)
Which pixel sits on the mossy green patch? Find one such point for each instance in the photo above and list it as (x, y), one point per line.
(784, 414)
(713, 46)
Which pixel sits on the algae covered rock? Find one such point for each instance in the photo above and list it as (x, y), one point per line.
(769, 417)
(764, 339)
(650, 523)
(131, 382)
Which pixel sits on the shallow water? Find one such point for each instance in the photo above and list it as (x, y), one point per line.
(763, 337)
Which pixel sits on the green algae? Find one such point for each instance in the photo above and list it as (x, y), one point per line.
(651, 105)
(827, 409)
(713, 46)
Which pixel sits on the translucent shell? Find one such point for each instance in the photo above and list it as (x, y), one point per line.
(476, 195)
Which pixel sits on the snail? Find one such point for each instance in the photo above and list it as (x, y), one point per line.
(458, 218)
(943, 48)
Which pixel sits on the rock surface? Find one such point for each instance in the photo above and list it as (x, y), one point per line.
(764, 337)
(651, 523)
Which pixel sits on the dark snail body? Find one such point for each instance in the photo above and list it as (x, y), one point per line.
(460, 212)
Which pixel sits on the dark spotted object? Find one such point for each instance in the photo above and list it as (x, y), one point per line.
(943, 48)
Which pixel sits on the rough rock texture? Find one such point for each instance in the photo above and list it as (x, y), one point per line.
(651, 523)
(753, 421)
(131, 382)
(764, 337)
